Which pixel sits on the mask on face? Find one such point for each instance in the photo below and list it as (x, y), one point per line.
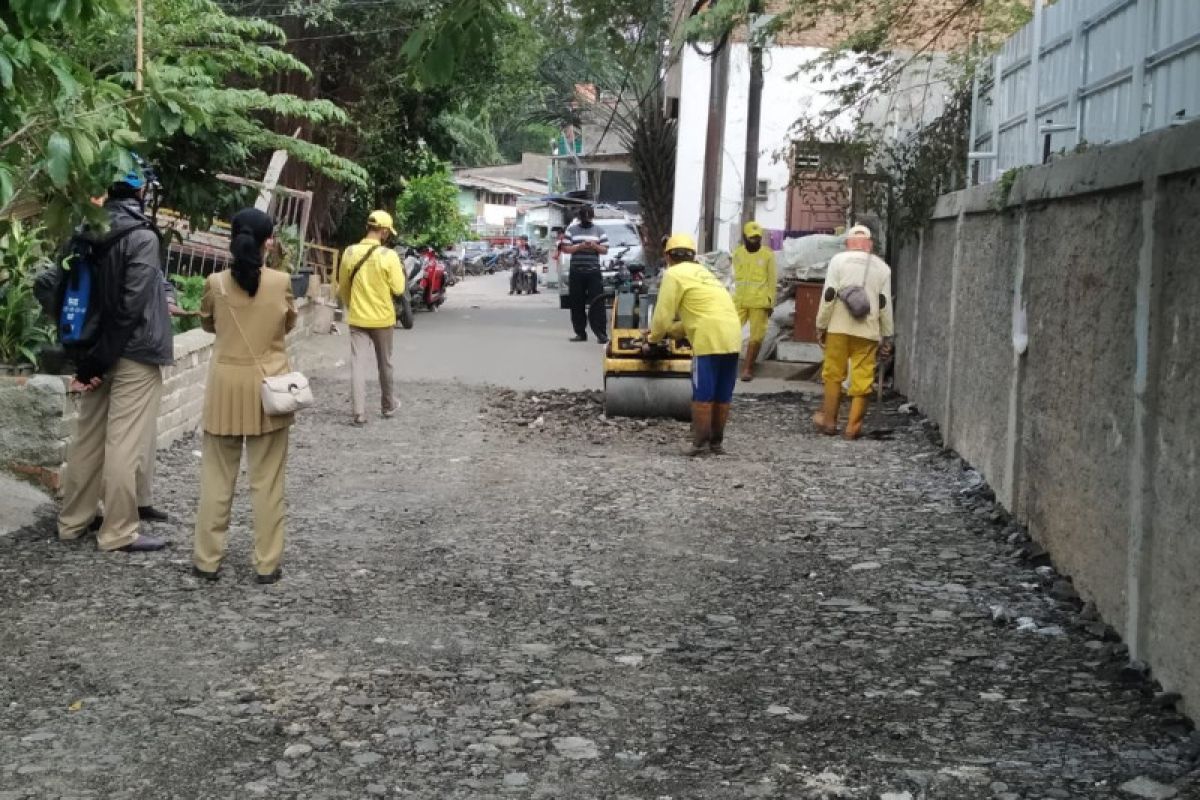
(753, 245)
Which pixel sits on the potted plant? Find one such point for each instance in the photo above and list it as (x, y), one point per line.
(23, 329)
(287, 257)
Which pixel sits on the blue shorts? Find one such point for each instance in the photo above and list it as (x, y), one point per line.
(713, 378)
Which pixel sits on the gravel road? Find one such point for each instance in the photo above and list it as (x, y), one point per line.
(501, 595)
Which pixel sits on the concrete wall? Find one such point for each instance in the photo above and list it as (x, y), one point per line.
(1055, 336)
(37, 418)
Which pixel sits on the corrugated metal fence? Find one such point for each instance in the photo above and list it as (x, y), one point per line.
(1085, 71)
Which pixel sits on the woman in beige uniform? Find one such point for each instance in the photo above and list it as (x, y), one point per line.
(250, 309)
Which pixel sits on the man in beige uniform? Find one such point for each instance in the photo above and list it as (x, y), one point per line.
(119, 379)
(852, 344)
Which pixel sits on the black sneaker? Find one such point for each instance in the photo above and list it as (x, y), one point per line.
(578, 339)
(152, 514)
(602, 340)
(211, 577)
(273, 577)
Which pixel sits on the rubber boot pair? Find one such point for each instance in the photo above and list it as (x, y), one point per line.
(751, 359)
(708, 429)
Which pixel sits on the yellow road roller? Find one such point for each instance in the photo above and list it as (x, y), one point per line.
(644, 383)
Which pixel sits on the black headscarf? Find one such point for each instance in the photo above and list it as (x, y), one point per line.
(251, 228)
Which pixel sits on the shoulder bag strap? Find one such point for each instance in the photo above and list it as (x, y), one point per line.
(232, 313)
(358, 267)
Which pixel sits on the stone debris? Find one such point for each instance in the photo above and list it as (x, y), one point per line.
(576, 748)
(1148, 789)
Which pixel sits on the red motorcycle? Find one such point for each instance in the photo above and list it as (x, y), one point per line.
(427, 286)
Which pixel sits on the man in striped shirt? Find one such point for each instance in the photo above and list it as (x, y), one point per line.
(585, 243)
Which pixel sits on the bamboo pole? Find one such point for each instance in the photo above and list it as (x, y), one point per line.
(141, 35)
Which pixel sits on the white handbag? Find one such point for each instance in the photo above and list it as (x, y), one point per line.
(285, 394)
(281, 394)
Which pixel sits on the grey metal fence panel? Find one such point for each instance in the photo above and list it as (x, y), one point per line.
(1085, 72)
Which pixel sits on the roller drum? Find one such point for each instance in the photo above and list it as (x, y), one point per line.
(639, 396)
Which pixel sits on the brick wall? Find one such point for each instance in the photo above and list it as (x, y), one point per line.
(36, 420)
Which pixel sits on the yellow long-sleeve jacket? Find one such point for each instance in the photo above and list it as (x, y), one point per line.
(755, 278)
(704, 308)
(369, 303)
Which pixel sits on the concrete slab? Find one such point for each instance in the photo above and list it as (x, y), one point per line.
(21, 504)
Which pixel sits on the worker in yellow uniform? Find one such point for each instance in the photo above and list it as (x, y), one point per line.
(693, 304)
(754, 290)
(369, 277)
(853, 329)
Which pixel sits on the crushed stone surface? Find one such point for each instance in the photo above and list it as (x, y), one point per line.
(476, 604)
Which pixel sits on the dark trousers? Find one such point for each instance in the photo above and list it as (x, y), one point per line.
(585, 288)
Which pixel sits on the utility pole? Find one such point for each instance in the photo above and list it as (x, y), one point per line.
(753, 112)
(141, 37)
(714, 147)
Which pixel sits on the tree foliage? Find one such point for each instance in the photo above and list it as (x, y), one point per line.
(427, 212)
(71, 115)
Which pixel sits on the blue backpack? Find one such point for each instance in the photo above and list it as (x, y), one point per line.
(70, 291)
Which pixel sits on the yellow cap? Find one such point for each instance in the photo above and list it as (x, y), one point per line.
(752, 230)
(382, 219)
(681, 241)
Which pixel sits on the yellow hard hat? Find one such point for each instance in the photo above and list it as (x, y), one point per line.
(382, 219)
(681, 241)
(752, 230)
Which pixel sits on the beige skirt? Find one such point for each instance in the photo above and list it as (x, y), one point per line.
(233, 402)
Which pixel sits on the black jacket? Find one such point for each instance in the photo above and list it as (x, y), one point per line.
(135, 320)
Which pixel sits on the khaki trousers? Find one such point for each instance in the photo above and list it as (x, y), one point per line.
(362, 342)
(145, 477)
(108, 453)
(266, 457)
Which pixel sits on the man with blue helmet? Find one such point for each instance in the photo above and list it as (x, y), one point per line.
(119, 377)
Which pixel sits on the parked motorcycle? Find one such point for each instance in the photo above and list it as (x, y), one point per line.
(499, 261)
(427, 285)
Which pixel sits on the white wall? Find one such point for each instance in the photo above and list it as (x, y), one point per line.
(499, 215)
(785, 100)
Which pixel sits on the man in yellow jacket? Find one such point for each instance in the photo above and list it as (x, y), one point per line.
(754, 278)
(707, 318)
(851, 342)
(369, 276)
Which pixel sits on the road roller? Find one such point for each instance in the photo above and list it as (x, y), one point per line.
(644, 383)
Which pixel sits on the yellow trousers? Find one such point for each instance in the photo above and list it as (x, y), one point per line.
(219, 465)
(108, 454)
(843, 351)
(758, 318)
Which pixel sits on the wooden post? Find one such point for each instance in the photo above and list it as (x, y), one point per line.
(141, 47)
(753, 115)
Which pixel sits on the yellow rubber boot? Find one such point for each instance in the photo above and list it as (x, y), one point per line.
(702, 429)
(858, 412)
(827, 418)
